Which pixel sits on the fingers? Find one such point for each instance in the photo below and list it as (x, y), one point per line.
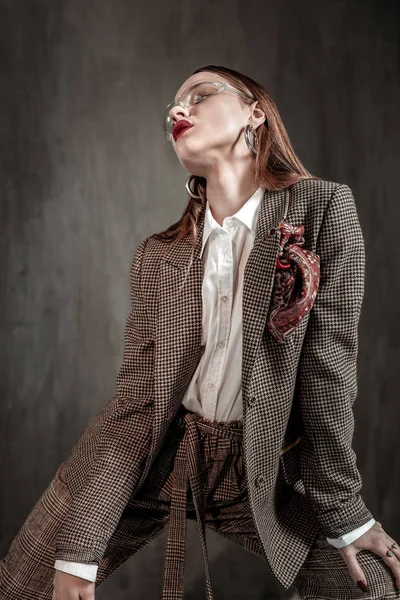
(375, 540)
(355, 570)
(388, 549)
(393, 546)
(391, 556)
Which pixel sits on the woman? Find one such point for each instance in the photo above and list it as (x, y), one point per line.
(234, 399)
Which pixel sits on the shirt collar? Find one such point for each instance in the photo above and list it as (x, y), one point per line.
(247, 214)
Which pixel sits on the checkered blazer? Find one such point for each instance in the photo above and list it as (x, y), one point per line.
(303, 387)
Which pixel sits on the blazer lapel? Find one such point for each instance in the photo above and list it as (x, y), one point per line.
(258, 278)
(178, 343)
(179, 330)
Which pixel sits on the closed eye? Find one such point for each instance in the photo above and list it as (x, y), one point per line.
(196, 100)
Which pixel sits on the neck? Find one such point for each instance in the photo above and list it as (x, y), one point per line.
(228, 189)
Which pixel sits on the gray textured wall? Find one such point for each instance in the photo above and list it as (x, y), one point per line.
(86, 174)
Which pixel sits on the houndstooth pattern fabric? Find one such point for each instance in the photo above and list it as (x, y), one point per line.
(324, 575)
(304, 387)
(217, 494)
(216, 449)
(205, 450)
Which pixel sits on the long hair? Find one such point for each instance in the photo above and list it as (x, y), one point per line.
(276, 164)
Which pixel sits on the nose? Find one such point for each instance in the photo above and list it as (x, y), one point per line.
(177, 111)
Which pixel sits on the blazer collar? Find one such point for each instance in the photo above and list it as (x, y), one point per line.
(262, 214)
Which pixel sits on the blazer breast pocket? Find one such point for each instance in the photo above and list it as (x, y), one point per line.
(296, 283)
(289, 458)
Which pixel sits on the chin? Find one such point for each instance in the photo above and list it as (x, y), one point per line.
(196, 153)
(189, 154)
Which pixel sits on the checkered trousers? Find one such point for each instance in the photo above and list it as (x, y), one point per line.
(324, 575)
(198, 474)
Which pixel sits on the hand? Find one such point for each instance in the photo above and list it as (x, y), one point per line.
(72, 587)
(378, 541)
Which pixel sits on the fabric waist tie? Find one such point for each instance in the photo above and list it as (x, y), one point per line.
(188, 466)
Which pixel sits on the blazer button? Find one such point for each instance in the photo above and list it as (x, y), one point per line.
(259, 480)
(252, 400)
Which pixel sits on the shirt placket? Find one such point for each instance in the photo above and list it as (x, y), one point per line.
(224, 312)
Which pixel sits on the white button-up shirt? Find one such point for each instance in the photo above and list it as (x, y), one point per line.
(215, 388)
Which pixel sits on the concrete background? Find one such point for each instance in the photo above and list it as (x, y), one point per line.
(86, 174)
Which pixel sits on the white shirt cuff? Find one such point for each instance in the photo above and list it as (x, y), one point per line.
(79, 569)
(351, 536)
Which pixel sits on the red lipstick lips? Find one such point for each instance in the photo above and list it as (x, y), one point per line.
(179, 127)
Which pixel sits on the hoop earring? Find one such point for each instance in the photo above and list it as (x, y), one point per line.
(252, 144)
(188, 189)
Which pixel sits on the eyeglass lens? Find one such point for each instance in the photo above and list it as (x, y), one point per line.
(192, 95)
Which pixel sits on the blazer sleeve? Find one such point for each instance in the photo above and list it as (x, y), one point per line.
(110, 457)
(327, 376)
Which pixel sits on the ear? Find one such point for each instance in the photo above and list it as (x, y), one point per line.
(257, 114)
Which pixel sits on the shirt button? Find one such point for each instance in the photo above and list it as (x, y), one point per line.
(221, 344)
(224, 298)
(252, 400)
(211, 386)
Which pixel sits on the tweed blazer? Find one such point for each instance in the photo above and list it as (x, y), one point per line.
(300, 390)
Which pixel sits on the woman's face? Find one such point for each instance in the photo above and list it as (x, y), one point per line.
(218, 123)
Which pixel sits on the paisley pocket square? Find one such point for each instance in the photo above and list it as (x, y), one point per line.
(296, 282)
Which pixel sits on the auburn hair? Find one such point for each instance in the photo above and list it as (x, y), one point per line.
(276, 166)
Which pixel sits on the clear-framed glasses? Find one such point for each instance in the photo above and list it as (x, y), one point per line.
(195, 93)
